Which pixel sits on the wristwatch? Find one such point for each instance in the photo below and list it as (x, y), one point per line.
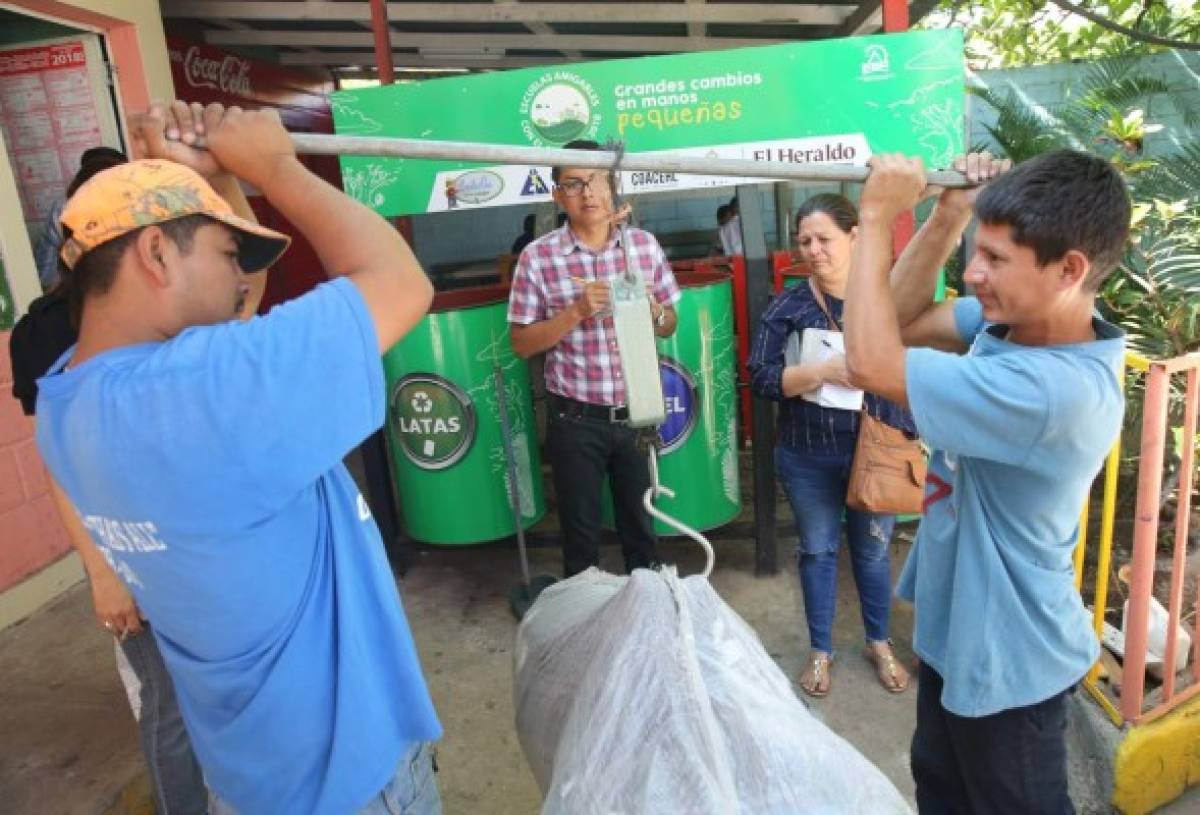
(661, 319)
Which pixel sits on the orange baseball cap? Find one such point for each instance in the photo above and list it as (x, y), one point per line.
(151, 191)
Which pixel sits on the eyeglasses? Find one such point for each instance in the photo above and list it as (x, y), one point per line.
(573, 187)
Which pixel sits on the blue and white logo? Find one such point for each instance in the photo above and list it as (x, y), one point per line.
(682, 402)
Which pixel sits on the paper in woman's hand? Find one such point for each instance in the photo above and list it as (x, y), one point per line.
(816, 345)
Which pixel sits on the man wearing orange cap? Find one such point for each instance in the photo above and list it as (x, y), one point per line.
(204, 457)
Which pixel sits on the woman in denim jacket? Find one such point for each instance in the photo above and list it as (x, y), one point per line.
(815, 448)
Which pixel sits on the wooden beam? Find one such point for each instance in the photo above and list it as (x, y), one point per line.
(695, 27)
(867, 19)
(484, 42)
(337, 59)
(783, 13)
(540, 27)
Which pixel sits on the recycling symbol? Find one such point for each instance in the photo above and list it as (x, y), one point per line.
(432, 420)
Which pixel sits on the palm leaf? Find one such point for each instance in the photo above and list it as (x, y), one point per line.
(1021, 130)
(1174, 177)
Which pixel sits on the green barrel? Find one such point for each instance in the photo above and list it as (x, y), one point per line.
(699, 457)
(443, 423)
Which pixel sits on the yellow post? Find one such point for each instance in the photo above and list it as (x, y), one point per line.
(1081, 543)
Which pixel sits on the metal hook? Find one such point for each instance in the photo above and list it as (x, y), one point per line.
(657, 489)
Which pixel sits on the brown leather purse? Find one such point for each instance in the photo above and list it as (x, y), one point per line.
(887, 474)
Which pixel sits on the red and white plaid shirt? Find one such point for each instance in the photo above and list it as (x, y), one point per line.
(585, 365)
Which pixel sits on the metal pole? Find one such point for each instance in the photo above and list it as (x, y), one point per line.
(1183, 513)
(1145, 540)
(762, 439)
(330, 145)
(383, 41)
(510, 461)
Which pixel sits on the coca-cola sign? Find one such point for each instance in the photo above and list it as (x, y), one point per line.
(229, 74)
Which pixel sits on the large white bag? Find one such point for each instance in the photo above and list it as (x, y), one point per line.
(648, 694)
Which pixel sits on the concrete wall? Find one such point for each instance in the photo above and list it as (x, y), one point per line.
(1050, 85)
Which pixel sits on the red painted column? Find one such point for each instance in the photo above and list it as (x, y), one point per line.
(895, 15)
(387, 75)
(895, 20)
(383, 41)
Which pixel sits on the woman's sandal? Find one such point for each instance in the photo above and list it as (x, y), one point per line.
(891, 674)
(815, 680)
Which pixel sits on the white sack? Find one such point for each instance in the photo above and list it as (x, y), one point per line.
(648, 694)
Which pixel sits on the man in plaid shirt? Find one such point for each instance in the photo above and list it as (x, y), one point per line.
(560, 305)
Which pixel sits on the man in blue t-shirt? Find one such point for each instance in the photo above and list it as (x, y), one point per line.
(204, 456)
(1019, 427)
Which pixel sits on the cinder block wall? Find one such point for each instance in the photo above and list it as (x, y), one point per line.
(1051, 85)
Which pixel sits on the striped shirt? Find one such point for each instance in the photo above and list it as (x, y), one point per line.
(585, 365)
(804, 426)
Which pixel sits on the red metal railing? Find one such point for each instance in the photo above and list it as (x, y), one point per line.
(1155, 428)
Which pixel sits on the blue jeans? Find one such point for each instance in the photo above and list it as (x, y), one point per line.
(1011, 761)
(816, 488)
(175, 776)
(412, 790)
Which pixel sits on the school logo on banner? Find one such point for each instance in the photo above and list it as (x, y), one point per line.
(433, 420)
(682, 404)
(559, 106)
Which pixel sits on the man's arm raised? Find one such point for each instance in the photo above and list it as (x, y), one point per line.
(349, 238)
(924, 323)
(875, 352)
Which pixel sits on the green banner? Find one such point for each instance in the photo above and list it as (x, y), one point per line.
(827, 101)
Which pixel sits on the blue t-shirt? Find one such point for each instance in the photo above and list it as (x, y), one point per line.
(1018, 434)
(208, 470)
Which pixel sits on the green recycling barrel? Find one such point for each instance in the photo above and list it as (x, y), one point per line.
(699, 456)
(443, 423)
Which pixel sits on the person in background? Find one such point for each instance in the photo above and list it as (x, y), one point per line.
(560, 306)
(730, 232)
(39, 338)
(717, 247)
(816, 447)
(1019, 425)
(45, 254)
(527, 234)
(189, 444)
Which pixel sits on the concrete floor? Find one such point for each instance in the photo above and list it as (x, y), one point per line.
(69, 744)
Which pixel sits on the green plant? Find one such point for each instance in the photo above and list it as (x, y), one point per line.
(1005, 33)
(1154, 293)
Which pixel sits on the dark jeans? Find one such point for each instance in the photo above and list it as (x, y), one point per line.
(1014, 761)
(583, 452)
(816, 489)
(175, 776)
